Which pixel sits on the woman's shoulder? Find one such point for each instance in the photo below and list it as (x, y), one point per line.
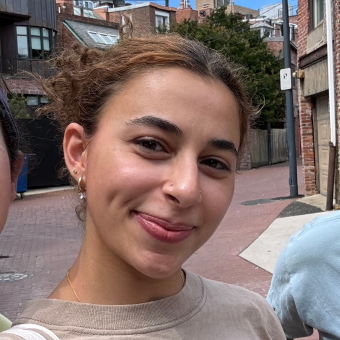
(226, 304)
(235, 298)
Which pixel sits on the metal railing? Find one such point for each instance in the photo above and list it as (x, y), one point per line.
(22, 67)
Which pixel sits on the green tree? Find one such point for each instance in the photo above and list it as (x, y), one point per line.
(228, 34)
(17, 104)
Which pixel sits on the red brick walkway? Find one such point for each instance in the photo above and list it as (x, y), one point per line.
(42, 238)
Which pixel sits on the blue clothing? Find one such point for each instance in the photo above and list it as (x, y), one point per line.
(305, 290)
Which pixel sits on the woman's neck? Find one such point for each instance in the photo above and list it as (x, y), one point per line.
(100, 277)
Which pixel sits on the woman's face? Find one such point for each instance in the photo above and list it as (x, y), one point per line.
(160, 170)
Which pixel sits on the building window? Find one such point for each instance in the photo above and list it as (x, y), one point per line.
(40, 42)
(22, 42)
(76, 11)
(86, 4)
(162, 20)
(33, 102)
(267, 33)
(103, 38)
(316, 13)
(291, 32)
(95, 36)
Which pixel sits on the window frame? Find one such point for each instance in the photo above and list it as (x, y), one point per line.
(43, 53)
(100, 36)
(316, 16)
(292, 33)
(166, 19)
(27, 42)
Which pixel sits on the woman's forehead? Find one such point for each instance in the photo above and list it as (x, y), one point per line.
(180, 97)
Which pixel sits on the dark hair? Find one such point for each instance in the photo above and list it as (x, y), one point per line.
(87, 78)
(9, 130)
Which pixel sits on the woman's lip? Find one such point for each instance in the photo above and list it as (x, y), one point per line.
(162, 230)
(166, 224)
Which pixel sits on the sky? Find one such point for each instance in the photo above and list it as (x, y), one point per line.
(245, 3)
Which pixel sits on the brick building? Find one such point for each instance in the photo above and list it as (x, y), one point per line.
(314, 91)
(230, 8)
(27, 34)
(86, 26)
(146, 17)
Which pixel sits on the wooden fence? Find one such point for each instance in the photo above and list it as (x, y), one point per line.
(268, 147)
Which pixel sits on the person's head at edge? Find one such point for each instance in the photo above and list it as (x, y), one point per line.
(11, 159)
(153, 128)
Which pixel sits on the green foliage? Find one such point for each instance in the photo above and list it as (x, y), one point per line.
(231, 36)
(17, 104)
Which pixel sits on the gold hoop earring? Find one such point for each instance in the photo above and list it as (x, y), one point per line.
(81, 188)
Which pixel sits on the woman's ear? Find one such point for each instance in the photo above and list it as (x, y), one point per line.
(74, 150)
(17, 166)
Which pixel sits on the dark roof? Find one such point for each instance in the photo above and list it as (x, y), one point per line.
(80, 30)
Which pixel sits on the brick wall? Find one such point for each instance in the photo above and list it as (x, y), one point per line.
(201, 4)
(141, 19)
(305, 108)
(186, 14)
(307, 145)
(336, 48)
(203, 14)
(276, 47)
(305, 104)
(67, 13)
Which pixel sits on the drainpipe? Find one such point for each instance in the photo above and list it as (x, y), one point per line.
(332, 144)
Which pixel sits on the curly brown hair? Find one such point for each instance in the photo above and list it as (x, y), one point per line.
(88, 77)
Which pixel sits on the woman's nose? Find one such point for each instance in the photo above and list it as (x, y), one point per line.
(183, 187)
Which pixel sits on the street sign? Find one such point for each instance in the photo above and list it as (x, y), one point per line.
(286, 79)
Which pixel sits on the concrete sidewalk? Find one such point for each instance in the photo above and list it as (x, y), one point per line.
(42, 238)
(265, 250)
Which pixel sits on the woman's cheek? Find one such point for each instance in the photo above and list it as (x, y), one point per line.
(130, 177)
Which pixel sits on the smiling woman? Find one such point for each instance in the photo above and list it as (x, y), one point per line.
(152, 130)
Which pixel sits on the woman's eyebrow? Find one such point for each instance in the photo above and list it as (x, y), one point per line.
(156, 122)
(223, 144)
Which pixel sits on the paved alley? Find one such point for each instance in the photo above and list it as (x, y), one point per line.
(42, 238)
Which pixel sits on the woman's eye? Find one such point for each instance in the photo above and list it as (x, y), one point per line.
(150, 144)
(215, 164)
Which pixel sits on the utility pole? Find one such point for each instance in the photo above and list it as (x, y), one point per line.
(289, 105)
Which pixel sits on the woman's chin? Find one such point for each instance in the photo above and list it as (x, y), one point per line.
(158, 267)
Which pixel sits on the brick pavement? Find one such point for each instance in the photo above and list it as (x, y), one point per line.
(42, 238)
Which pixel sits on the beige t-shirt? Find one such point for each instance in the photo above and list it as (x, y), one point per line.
(203, 310)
